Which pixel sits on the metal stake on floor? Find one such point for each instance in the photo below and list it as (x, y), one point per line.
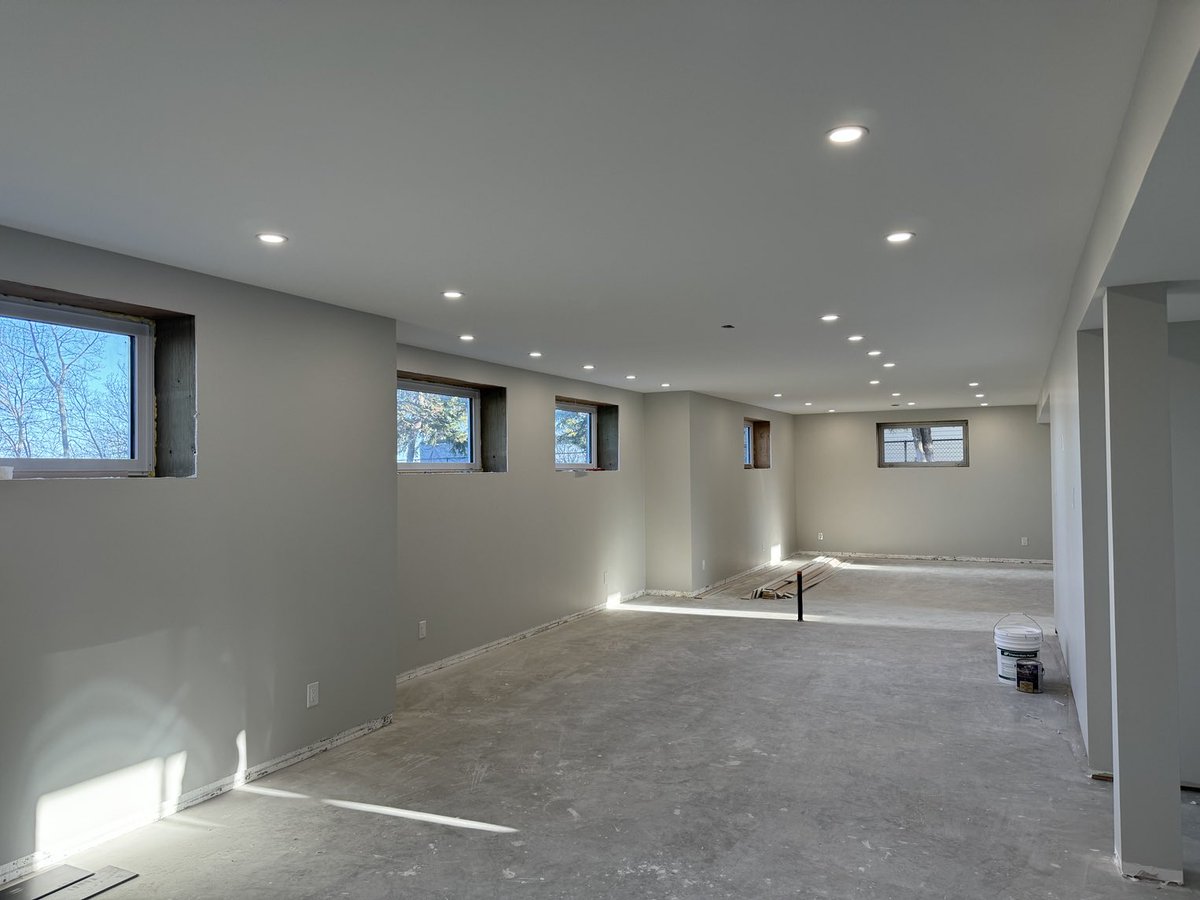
(799, 595)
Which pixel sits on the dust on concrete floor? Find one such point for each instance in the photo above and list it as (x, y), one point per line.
(649, 755)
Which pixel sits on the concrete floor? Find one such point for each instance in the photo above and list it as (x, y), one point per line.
(640, 754)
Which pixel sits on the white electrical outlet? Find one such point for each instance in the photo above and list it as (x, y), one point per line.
(1024, 542)
(314, 694)
(421, 630)
(820, 535)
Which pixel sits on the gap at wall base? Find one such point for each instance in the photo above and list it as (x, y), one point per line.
(1151, 874)
(854, 554)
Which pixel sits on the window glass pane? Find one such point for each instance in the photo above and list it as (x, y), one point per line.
(923, 444)
(746, 459)
(572, 437)
(65, 392)
(432, 427)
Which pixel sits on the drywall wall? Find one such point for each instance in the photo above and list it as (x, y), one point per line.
(983, 509)
(737, 514)
(668, 491)
(1184, 372)
(484, 555)
(148, 623)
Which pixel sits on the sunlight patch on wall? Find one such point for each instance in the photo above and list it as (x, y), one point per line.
(85, 814)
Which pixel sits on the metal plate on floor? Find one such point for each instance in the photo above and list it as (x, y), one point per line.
(44, 883)
(108, 877)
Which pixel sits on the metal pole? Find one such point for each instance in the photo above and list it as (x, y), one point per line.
(799, 595)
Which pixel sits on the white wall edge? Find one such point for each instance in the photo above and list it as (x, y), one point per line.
(852, 554)
(503, 642)
(28, 865)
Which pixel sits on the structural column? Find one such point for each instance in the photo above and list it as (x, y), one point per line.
(1145, 667)
(1093, 513)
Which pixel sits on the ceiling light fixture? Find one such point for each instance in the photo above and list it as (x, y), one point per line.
(977, 396)
(808, 403)
(728, 326)
(972, 384)
(535, 353)
(831, 410)
(832, 317)
(900, 237)
(889, 365)
(452, 295)
(630, 377)
(272, 237)
(912, 402)
(873, 381)
(777, 395)
(589, 366)
(847, 134)
(874, 353)
(983, 404)
(895, 393)
(466, 337)
(665, 384)
(855, 338)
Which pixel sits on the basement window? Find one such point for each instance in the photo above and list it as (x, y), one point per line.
(76, 390)
(585, 435)
(922, 444)
(756, 444)
(449, 426)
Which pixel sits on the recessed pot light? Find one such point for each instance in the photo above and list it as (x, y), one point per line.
(874, 353)
(535, 354)
(466, 337)
(873, 381)
(272, 237)
(728, 326)
(808, 403)
(895, 393)
(900, 237)
(832, 317)
(831, 410)
(983, 404)
(452, 295)
(855, 337)
(847, 134)
(665, 384)
(977, 396)
(630, 377)
(777, 395)
(912, 402)
(972, 384)
(889, 365)
(589, 367)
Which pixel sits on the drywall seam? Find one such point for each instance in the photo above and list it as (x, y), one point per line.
(27, 865)
(990, 559)
(502, 642)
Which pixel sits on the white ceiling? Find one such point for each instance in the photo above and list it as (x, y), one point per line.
(608, 181)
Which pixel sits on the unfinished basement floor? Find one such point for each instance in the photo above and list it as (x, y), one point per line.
(638, 753)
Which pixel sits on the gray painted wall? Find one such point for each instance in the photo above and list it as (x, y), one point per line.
(668, 491)
(148, 617)
(484, 555)
(1184, 349)
(981, 510)
(737, 513)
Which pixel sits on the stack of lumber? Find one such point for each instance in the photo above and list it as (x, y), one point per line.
(811, 573)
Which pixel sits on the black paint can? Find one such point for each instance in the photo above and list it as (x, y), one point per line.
(1029, 676)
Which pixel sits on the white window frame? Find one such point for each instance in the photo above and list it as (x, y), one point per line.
(593, 415)
(141, 376)
(449, 390)
(747, 444)
(964, 424)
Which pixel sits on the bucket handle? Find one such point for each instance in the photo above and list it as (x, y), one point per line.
(1026, 615)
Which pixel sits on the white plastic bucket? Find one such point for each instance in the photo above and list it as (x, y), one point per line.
(1017, 640)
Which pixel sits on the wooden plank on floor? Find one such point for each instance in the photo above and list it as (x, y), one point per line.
(44, 883)
(94, 885)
